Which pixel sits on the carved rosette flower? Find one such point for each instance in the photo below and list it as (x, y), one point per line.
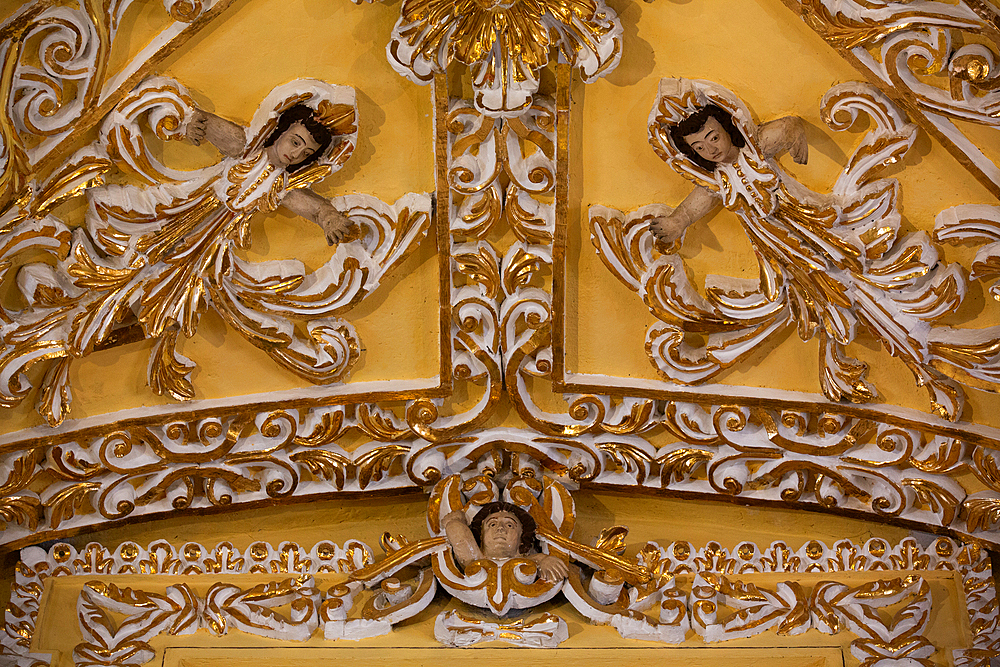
(505, 43)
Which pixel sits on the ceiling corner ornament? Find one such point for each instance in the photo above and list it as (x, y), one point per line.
(504, 43)
(876, 592)
(938, 59)
(55, 81)
(829, 265)
(154, 257)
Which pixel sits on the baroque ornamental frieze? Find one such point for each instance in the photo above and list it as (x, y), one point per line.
(515, 557)
(160, 247)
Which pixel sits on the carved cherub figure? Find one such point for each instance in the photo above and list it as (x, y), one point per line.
(301, 136)
(152, 258)
(709, 138)
(499, 531)
(830, 264)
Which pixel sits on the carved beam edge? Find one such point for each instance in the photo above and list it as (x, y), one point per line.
(883, 472)
(714, 594)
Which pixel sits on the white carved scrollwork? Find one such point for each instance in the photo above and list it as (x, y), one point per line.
(162, 254)
(505, 46)
(828, 265)
(929, 54)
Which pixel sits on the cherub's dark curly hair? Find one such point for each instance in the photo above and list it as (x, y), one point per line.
(300, 113)
(527, 524)
(695, 122)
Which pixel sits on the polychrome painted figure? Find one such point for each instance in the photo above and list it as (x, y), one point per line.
(151, 259)
(828, 263)
(499, 531)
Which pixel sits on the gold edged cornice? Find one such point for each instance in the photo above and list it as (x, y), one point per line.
(707, 586)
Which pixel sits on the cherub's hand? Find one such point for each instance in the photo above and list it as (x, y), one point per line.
(196, 126)
(334, 223)
(666, 229)
(799, 150)
(551, 568)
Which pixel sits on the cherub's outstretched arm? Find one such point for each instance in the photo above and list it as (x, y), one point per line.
(695, 206)
(225, 135)
(462, 541)
(313, 207)
(785, 134)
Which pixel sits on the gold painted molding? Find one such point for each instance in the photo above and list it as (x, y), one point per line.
(745, 591)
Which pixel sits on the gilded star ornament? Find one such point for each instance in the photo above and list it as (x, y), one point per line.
(505, 44)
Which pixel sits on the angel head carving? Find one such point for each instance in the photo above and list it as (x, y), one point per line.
(304, 134)
(708, 136)
(503, 530)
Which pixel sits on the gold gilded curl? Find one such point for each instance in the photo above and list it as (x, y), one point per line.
(328, 430)
(681, 464)
(880, 502)
(123, 507)
(185, 11)
(117, 447)
(422, 414)
(187, 476)
(200, 433)
(730, 485)
(890, 440)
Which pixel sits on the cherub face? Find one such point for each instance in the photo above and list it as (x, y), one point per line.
(501, 535)
(293, 146)
(713, 143)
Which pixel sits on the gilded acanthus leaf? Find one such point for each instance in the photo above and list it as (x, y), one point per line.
(519, 268)
(64, 504)
(628, 457)
(330, 428)
(680, 463)
(373, 465)
(482, 267)
(23, 508)
(981, 513)
(169, 372)
(379, 424)
(328, 465)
